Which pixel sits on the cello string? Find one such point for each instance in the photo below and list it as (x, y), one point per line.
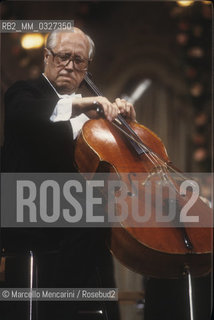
(153, 158)
(156, 159)
(162, 173)
(121, 119)
(143, 147)
(90, 82)
(162, 164)
(151, 154)
(96, 90)
(134, 140)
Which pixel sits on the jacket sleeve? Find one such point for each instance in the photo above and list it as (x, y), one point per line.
(25, 103)
(40, 143)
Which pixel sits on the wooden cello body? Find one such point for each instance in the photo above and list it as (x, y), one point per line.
(152, 250)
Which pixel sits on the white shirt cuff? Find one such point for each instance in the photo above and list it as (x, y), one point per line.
(77, 123)
(62, 110)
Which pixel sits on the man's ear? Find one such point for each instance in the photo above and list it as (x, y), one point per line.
(46, 55)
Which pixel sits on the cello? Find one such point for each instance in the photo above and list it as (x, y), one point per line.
(129, 149)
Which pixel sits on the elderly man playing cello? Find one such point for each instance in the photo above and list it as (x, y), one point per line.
(42, 120)
(49, 111)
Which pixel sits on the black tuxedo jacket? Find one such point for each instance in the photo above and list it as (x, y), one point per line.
(32, 142)
(35, 144)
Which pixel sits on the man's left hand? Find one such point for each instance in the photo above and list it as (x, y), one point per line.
(126, 108)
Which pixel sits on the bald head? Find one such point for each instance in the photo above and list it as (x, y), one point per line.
(66, 58)
(55, 35)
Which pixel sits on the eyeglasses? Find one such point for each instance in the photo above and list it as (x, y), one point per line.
(61, 59)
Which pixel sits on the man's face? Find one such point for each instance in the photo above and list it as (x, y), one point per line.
(66, 79)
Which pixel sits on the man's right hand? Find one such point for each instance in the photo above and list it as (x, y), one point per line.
(80, 105)
(110, 110)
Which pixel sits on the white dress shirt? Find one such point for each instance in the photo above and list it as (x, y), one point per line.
(63, 111)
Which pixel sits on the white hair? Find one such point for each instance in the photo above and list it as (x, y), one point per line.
(52, 40)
